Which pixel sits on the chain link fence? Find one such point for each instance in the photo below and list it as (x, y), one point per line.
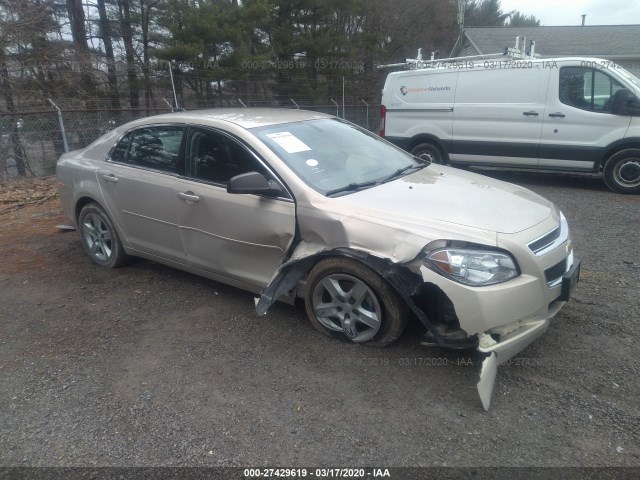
(31, 142)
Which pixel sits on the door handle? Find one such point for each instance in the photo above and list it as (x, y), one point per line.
(557, 115)
(530, 113)
(109, 177)
(188, 196)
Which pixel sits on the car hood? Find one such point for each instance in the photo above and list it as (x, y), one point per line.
(454, 196)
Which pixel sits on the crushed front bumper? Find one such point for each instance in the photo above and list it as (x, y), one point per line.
(517, 337)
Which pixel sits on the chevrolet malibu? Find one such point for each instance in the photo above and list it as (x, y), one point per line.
(293, 204)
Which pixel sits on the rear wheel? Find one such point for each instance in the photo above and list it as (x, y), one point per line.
(347, 299)
(428, 151)
(99, 237)
(622, 171)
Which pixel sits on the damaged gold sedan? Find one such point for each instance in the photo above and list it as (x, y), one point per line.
(288, 204)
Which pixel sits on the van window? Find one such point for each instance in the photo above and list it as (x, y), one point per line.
(587, 89)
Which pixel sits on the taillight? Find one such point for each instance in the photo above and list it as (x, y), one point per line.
(383, 117)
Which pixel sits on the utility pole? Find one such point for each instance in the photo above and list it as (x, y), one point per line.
(461, 8)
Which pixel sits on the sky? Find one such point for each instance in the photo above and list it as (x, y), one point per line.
(599, 12)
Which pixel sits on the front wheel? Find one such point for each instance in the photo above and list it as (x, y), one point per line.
(345, 298)
(99, 237)
(429, 152)
(622, 171)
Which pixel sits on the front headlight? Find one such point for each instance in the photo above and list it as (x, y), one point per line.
(474, 267)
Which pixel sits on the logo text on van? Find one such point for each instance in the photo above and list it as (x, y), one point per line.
(404, 90)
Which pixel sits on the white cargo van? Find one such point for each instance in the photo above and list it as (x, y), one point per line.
(572, 114)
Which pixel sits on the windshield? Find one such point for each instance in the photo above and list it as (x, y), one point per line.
(334, 157)
(627, 75)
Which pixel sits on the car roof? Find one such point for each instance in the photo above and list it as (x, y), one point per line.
(243, 117)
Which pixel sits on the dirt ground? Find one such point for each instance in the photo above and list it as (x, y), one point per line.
(149, 366)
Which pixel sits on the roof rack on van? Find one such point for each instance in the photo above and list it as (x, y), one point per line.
(419, 62)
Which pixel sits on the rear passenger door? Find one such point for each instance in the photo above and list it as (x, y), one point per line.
(138, 182)
(578, 122)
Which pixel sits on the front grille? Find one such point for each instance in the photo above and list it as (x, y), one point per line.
(545, 241)
(553, 273)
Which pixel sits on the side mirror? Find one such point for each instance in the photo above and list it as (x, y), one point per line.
(254, 183)
(624, 102)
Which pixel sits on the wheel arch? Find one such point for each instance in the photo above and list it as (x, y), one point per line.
(612, 149)
(121, 256)
(86, 199)
(83, 201)
(408, 284)
(297, 269)
(429, 138)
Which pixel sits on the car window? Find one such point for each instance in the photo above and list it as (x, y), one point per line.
(157, 148)
(587, 89)
(119, 152)
(331, 154)
(215, 157)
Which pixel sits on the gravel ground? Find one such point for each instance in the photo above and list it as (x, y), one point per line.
(149, 366)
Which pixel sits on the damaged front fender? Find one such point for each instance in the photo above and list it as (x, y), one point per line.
(406, 282)
(406, 279)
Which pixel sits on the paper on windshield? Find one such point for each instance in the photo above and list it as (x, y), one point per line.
(289, 142)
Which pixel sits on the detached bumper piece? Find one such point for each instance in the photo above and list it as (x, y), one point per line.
(487, 380)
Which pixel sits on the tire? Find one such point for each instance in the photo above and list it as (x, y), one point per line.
(346, 299)
(99, 237)
(622, 171)
(429, 152)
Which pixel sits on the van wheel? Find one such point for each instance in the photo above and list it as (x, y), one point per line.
(427, 151)
(622, 171)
